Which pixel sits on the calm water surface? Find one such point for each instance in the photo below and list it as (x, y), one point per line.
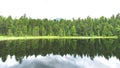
(90, 53)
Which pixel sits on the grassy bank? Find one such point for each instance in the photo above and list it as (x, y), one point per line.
(2, 38)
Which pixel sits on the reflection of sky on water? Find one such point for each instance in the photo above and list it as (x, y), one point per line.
(57, 61)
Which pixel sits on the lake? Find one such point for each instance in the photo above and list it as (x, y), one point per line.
(60, 53)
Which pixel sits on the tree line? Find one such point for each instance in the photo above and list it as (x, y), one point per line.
(25, 26)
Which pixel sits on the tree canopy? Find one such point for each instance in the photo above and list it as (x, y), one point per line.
(25, 26)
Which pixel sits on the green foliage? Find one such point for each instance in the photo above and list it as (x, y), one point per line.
(118, 30)
(9, 33)
(73, 31)
(43, 27)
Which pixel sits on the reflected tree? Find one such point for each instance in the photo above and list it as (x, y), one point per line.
(89, 47)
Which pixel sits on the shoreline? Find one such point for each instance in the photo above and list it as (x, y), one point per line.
(3, 38)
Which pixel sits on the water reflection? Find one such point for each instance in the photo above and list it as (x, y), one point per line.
(58, 61)
(90, 48)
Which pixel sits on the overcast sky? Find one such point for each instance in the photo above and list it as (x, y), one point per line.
(59, 8)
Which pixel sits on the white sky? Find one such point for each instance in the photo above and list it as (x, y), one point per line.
(59, 8)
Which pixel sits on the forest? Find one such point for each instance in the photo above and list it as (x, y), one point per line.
(25, 26)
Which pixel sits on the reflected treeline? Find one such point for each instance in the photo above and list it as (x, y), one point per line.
(90, 47)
